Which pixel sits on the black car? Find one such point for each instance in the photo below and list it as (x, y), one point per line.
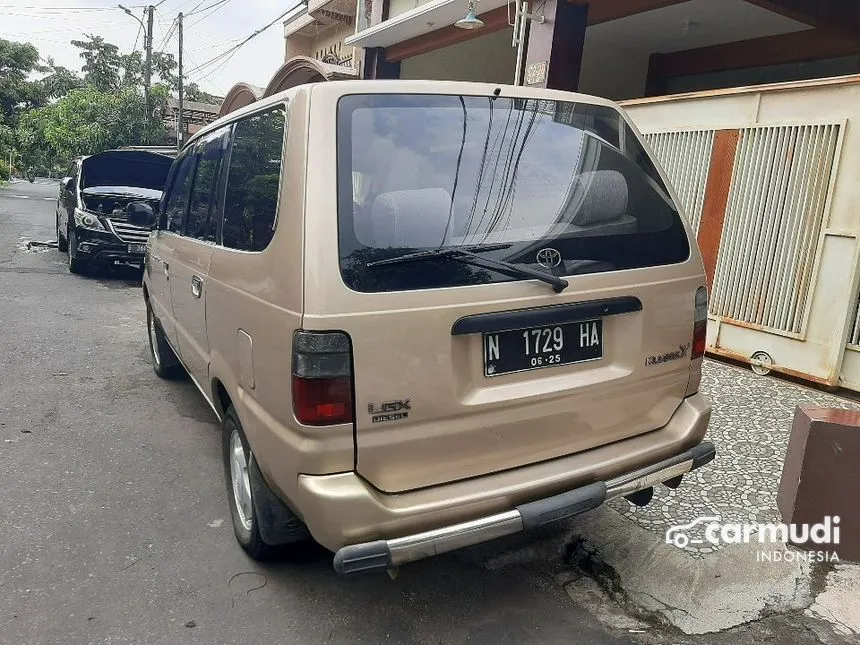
(91, 208)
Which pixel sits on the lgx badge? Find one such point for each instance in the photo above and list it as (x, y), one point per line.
(389, 411)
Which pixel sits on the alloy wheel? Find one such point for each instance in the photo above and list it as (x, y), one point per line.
(153, 339)
(241, 484)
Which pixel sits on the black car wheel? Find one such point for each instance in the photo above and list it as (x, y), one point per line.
(62, 242)
(164, 361)
(76, 264)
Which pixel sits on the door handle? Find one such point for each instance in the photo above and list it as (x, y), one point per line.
(196, 286)
(166, 266)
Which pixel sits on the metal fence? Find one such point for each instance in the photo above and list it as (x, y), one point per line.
(779, 190)
(855, 330)
(686, 158)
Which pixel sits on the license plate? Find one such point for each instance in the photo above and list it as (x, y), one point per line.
(538, 347)
(137, 248)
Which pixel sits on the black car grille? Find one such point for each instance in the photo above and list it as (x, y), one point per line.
(128, 233)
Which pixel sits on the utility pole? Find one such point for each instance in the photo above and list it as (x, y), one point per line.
(147, 45)
(180, 136)
(147, 81)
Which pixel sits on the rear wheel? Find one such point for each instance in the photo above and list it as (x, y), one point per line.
(76, 264)
(164, 361)
(250, 498)
(62, 242)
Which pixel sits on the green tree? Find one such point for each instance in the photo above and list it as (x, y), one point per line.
(132, 69)
(164, 68)
(194, 93)
(102, 62)
(17, 62)
(87, 120)
(59, 80)
(7, 137)
(33, 145)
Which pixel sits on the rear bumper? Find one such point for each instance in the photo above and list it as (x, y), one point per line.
(343, 510)
(381, 555)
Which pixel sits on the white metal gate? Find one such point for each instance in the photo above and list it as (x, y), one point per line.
(686, 158)
(780, 185)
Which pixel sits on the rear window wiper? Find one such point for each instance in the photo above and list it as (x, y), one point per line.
(440, 252)
(469, 255)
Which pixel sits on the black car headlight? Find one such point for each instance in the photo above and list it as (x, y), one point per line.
(88, 220)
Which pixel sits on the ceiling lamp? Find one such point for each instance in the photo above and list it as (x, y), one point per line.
(471, 21)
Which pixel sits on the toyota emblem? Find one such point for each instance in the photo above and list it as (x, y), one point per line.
(549, 258)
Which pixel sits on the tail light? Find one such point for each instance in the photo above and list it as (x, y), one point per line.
(700, 323)
(322, 378)
(700, 331)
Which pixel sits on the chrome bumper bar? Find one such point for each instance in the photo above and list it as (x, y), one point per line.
(381, 555)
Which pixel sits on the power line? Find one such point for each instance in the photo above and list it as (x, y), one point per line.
(206, 77)
(88, 27)
(136, 38)
(196, 8)
(215, 8)
(230, 52)
(43, 15)
(166, 40)
(41, 8)
(184, 4)
(208, 45)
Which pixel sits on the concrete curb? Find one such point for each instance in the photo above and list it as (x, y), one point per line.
(696, 595)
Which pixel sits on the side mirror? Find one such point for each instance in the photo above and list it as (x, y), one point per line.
(64, 183)
(140, 214)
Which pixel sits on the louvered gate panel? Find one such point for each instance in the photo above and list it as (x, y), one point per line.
(855, 330)
(686, 158)
(773, 221)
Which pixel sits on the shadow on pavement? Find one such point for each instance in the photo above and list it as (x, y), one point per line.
(118, 277)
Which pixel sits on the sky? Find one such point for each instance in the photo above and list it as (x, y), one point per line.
(51, 24)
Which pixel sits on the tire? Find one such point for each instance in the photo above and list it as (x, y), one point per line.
(164, 361)
(250, 498)
(76, 265)
(62, 242)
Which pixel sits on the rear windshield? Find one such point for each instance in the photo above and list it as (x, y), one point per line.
(554, 186)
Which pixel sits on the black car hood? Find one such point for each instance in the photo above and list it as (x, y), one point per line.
(125, 169)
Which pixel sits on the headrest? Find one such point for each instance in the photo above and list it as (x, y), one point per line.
(598, 196)
(410, 218)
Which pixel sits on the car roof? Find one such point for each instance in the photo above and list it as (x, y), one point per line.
(402, 86)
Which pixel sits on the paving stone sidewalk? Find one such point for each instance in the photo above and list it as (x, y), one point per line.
(750, 426)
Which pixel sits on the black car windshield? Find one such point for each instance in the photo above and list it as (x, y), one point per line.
(423, 171)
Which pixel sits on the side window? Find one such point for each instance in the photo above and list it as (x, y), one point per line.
(204, 204)
(177, 197)
(73, 174)
(253, 179)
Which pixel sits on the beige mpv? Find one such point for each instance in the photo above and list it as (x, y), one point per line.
(428, 314)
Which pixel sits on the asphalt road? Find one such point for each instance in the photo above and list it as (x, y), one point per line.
(115, 519)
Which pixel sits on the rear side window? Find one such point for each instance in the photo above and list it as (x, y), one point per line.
(518, 176)
(253, 181)
(176, 202)
(204, 205)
